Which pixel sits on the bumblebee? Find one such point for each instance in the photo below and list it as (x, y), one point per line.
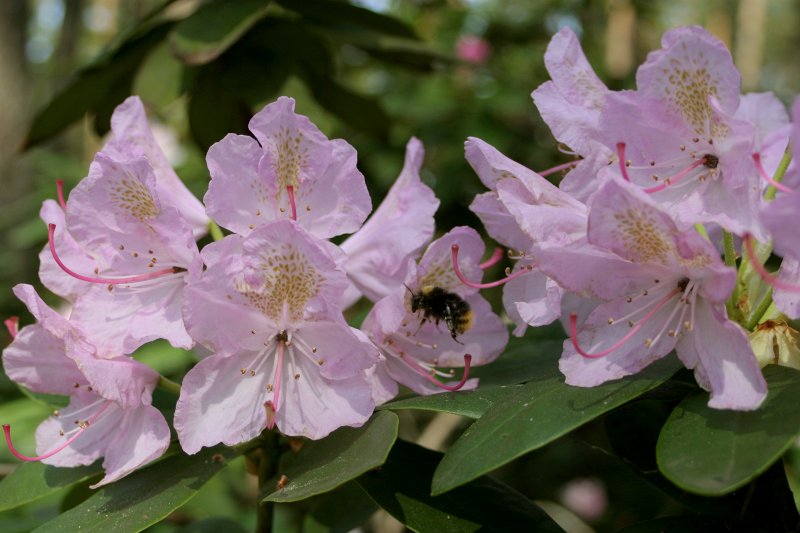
(437, 304)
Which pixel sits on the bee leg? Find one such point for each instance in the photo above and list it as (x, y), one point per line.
(421, 323)
(451, 325)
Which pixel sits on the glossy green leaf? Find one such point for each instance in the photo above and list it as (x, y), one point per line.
(523, 360)
(712, 452)
(212, 29)
(214, 111)
(144, 497)
(541, 411)
(344, 509)
(347, 453)
(402, 488)
(99, 87)
(31, 481)
(471, 404)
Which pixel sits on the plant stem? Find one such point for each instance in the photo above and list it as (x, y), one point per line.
(214, 230)
(168, 385)
(760, 311)
(779, 173)
(267, 468)
(732, 304)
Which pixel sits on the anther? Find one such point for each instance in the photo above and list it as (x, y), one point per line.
(621, 158)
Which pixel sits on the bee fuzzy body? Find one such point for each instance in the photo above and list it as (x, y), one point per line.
(438, 304)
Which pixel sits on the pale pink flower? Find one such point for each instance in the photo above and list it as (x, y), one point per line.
(378, 253)
(266, 305)
(289, 171)
(109, 414)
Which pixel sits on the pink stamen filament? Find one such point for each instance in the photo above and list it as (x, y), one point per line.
(573, 333)
(427, 375)
(557, 168)
(677, 177)
(497, 255)
(290, 191)
(778, 185)
(84, 427)
(12, 323)
(60, 191)
(468, 283)
(109, 281)
(762, 272)
(621, 156)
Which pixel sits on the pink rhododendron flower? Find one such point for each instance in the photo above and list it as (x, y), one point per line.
(411, 348)
(109, 414)
(656, 288)
(521, 210)
(267, 307)
(378, 253)
(143, 247)
(131, 138)
(290, 170)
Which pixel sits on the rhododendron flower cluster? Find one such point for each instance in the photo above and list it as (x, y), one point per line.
(653, 241)
(265, 302)
(621, 249)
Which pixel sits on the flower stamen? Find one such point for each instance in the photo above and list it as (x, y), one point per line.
(51, 229)
(747, 240)
(677, 177)
(509, 276)
(778, 185)
(573, 333)
(422, 371)
(12, 325)
(557, 168)
(83, 426)
(623, 165)
(497, 255)
(60, 192)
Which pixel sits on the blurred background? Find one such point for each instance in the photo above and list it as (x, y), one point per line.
(446, 71)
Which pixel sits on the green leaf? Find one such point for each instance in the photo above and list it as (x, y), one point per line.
(472, 404)
(358, 111)
(214, 111)
(401, 487)
(144, 497)
(344, 509)
(213, 28)
(524, 360)
(32, 481)
(540, 412)
(347, 453)
(348, 18)
(99, 87)
(713, 452)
